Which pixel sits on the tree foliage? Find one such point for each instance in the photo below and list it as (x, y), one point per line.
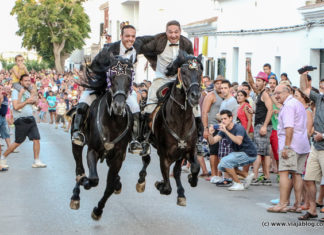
(54, 28)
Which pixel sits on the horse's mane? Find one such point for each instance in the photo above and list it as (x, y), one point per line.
(97, 80)
(183, 57)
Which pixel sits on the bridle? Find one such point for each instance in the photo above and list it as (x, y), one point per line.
(193, 65)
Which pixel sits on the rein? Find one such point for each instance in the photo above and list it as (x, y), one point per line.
(182, 144)
(181, 85)
(111, 144)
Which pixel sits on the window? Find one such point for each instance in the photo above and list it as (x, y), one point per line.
(210, 68)
(221, 65)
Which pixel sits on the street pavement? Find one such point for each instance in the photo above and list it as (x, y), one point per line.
(36, 201)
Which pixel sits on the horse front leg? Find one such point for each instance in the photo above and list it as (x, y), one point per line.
(181, 200)
(195, 168)
(112, 177)
(80, 176)
(92, 159)
(140, 186)
(164, 186)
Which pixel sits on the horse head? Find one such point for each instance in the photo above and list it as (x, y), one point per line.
(189, 72)
(120, 76)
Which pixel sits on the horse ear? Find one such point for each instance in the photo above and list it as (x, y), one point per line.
(131, 59)
(200, 58)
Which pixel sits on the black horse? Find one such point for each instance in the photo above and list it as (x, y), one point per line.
(173, 129)
(108, 131)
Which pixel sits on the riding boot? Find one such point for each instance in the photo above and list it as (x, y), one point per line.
(146, 131)
(135, 146)
(78, 137)
(200, 131)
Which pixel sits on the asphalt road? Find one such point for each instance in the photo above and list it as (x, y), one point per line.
(36, 201)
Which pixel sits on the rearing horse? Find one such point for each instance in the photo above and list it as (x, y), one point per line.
(174, 133)
(108, 132)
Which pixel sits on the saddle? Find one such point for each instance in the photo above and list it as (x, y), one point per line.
(164, 92)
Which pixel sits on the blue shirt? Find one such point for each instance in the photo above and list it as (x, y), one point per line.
(247, 146)
(51, 102)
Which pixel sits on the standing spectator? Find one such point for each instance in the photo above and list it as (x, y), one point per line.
(25, 123)
(262, 127)
(243, 115)
(321, 86)
(51, 101)
(210, 109)
(43, 106)
(293, 147)
(315, 162)
(229, 102)
(267, 70)
(60, 112)
(247, 88)
(244, 151)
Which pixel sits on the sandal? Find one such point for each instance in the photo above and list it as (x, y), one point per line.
(319, 205)
(295, 209)
(224, 183)
(322, 210)
(304, 207)
(307, 216)
(203, 175)
(278, 209)
(321, 220)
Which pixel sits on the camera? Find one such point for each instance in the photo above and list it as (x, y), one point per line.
(306, 68)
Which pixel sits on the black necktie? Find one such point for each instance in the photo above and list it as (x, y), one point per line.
(173, 44)
(130, 49)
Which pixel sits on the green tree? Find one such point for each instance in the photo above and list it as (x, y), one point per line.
(54, 28)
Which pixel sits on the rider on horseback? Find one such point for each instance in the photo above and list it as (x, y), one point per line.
(161, 50)
(126, 49)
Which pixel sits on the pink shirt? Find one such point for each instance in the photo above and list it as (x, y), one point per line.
(293, 114)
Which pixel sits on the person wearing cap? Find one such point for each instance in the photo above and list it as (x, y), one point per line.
(262, 127)
(210, 109)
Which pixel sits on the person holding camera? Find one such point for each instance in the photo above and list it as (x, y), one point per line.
(244, 150)
(25, 123)
(315, 161)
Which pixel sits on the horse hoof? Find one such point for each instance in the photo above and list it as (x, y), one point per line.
(75, 204)
(118, 191)
(140, 187)
(95, 217)
(192, 181)
(181, 201)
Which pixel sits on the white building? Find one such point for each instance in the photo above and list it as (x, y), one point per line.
(287, 34)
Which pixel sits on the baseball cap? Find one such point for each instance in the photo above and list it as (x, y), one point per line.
(210, 88)
(263, 76)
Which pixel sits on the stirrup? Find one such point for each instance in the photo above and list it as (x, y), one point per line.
(76, 140)
(135, 147)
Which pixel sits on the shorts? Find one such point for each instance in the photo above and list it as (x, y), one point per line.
(59, 118)
(315, 165)
(262, 142)
(213, 149)
(4, 130)
(294, 163)
(274, 144)
(52, 110)
(24, 127)
(234, 160)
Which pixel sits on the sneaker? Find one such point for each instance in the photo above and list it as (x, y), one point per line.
(224, 183)
(38, 164)
(236, 187)
(15, 151)
(261, 177)
(266, 182)
(275, 201)
(248, 180)
(255, 182)
(3, 163)
(215, 179)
